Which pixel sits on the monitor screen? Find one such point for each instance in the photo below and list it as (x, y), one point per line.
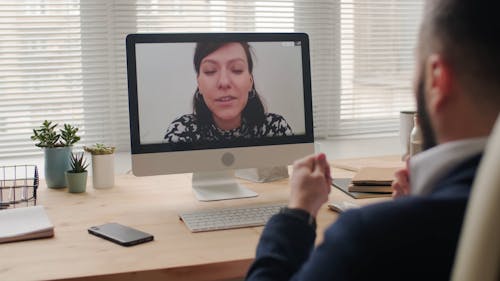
(215, 101)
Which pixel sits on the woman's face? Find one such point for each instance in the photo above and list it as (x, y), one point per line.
(224, 81)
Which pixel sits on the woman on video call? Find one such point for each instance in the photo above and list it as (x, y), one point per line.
(226, 105)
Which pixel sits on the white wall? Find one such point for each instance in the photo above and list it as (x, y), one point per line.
(166, 81)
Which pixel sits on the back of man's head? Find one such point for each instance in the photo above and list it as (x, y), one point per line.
(467, 34)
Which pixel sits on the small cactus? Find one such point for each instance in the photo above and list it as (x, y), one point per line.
(78, 163)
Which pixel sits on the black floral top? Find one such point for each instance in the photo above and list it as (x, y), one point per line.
(186, 130)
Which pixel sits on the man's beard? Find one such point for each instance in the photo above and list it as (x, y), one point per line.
(428, 137)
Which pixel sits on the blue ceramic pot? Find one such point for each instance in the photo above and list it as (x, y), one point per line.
(57, 162)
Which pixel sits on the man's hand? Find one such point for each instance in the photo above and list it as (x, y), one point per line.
(401, 182)
(310, 183)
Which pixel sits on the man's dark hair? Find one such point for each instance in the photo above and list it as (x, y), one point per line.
(468, 35)
(253, 113)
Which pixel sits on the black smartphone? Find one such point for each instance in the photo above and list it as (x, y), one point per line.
(120, 234)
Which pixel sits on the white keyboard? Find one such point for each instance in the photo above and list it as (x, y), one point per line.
(227, 218)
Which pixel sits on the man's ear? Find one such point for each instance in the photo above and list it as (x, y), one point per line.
(438, 82)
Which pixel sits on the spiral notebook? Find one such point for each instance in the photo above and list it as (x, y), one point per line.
(24, 223)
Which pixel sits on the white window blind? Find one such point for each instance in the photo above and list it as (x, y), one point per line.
(64, 60)
(377, 61)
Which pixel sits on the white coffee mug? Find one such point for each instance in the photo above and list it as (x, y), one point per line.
(405, 127)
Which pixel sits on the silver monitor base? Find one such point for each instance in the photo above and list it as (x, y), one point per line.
(267, 174)
(220, 185)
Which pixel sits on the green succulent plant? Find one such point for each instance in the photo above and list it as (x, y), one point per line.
(99, 149)
(47, 136)
(68, 135)
(78, 163)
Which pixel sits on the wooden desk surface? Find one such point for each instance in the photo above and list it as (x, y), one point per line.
(150, 204)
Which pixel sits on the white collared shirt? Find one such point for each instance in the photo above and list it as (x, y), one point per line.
(428, 167)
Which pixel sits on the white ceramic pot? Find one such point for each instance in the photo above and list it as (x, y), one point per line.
(103, 171)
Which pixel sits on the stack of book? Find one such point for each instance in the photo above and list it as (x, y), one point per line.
(368, 182)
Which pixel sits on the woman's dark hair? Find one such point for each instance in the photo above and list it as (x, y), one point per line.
(253, 113)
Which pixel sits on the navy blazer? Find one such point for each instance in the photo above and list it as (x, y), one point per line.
(412, 238)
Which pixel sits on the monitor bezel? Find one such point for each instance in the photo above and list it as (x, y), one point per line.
(133, 39)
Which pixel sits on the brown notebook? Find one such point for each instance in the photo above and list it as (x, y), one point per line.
(343, 185)
(374, 176)
(370, 188)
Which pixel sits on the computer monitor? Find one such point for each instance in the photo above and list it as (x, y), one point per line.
(211, 103)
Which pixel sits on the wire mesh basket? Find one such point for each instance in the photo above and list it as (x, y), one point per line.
(18, 185)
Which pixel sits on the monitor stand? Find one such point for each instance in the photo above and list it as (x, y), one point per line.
(220, 185)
